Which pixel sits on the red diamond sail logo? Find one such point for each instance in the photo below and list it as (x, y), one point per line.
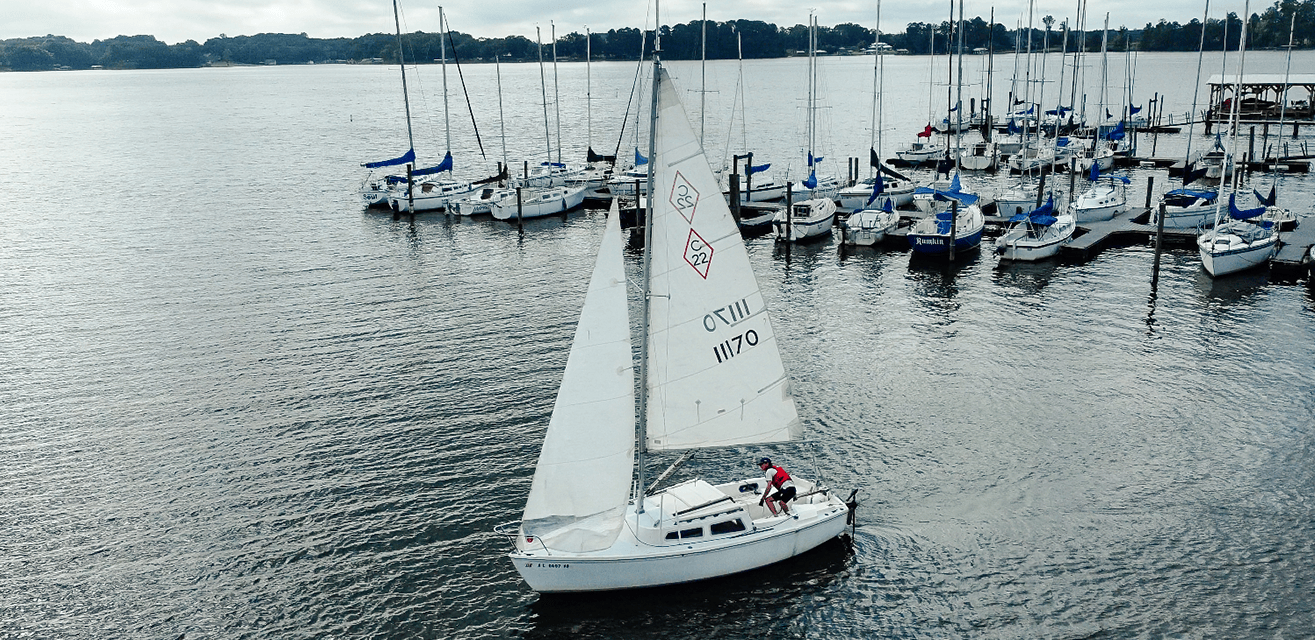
(684, 197)
(698, 253)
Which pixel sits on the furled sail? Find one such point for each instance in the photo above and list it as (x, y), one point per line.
(715, 373)
(582, 482)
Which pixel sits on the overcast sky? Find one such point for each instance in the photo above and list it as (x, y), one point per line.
(175, 21)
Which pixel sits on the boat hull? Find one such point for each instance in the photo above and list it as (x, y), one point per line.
(1223, 252)
(1019, 245)
(777, 540)
(561, 201)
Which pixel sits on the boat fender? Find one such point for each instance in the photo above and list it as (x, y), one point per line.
(749, 486)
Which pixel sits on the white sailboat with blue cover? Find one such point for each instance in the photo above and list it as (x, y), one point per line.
(710, 376)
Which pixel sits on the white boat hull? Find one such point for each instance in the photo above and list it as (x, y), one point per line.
(868, 227)
(856, 197)
(632, 564)
(538, 203)
(1224, 252)
(1028, 245)
(796, 228)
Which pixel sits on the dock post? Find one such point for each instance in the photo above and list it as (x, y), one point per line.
(1040, 192)
(527, 171)
(1251, 148)
(789, 213)
(520, 214)
(1150, 188)
(1072, 177)
(1159, 248)
(735, 197)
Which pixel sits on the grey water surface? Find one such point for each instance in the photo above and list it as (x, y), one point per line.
(233, 404)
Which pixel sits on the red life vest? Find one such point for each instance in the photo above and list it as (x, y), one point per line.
(780, 478)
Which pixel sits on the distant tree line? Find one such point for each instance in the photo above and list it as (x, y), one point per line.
(679, 42)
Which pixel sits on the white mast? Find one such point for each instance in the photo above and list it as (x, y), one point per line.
(1104, 73)
(1232, 118)
(402, 65)
(877, 87)
(447, 124)
(703, 70)
(588, 87)
(1196, 89)
(502, 121)
(556, 96)
(543, 89)
(648, 265)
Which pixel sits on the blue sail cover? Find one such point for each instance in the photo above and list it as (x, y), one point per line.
(1062, 142)
(877, 188)
(1013, 128)
(639, 160)
(811, 181)
(955, 192)
(1134, 110)
(1241, 214)
(1267, 201)
(1190, 195)
(409, 156)
(1095, 172)
(1117, 133)
(1192, 174)
(812, 161)
(445, 165)
(1042, 215)
(759, 168)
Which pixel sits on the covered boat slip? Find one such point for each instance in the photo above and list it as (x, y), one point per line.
(690, 531)
(1263, 95)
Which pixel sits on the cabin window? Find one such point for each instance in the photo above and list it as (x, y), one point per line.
(692, 533)
(730, 526)
(673, 535)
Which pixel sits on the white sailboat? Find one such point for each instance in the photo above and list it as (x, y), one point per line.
(1239, 243)
(873, 200)
(435, 194)
(710, 376)
(806, 220)
(1036, 235)
(377, 192)
(549, 188)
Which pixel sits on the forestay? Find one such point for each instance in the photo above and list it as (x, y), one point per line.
(582, 482)
(715, 374)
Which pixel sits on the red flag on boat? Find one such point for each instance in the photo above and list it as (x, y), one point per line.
(926, 133)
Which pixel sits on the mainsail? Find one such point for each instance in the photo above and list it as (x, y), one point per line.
(582, 482)
(715, 373)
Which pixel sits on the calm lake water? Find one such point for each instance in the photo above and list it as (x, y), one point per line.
(233, 404)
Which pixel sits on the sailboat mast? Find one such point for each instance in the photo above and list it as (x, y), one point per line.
(1283, 103)
(1104, 71)
(447, 123)
(556, 96)
(949, 80)
(1232, 118)
(703, 71)
(543, 90)
(931, 77)
(502, 121)
(588, 88)
(642, 445)
(402, 65)
(1196, 92)
(1027, 72)
(876, 94)
(958, 118)
(990, 70)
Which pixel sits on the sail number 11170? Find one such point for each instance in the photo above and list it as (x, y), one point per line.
(734, 346)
